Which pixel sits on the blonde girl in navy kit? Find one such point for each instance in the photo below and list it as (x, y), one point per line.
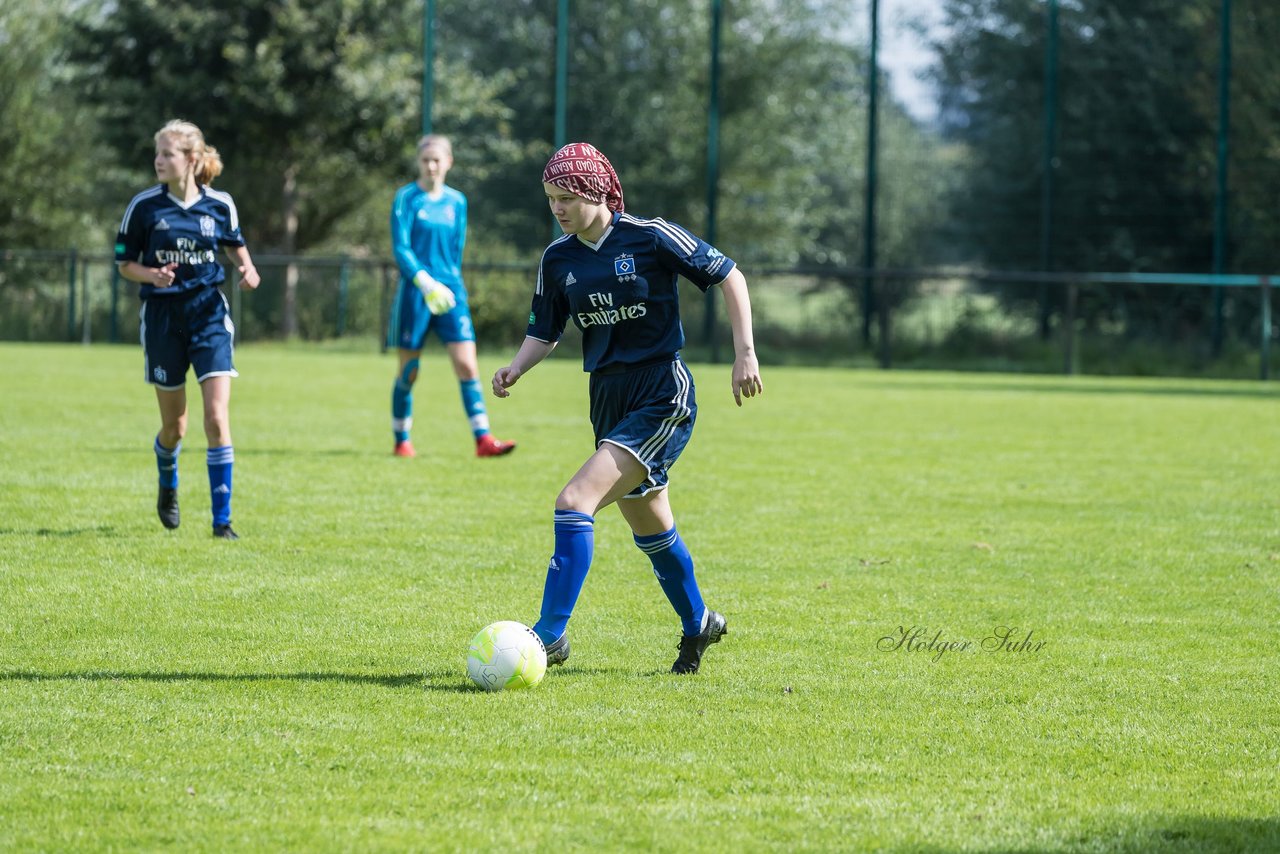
(168, 243)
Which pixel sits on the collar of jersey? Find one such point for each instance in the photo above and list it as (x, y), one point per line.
(596, 246)
(180, 203)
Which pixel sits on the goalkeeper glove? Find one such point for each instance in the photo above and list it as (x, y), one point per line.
(439, 298)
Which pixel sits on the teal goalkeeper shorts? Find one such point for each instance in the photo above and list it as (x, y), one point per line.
(416, 320)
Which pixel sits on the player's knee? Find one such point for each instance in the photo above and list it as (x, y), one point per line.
(217, 426)
(573, 498)
(408, 374)
(173, 432)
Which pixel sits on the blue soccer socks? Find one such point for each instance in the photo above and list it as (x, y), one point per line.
(473, 403)
(402, 401)
(575, 542)
(167, 463)
(220, 462)
(486, 444)
(673, 565)
(402, 404)
(167, 498)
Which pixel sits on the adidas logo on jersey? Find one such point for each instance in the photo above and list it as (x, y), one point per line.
(162, 225)
(570, 280)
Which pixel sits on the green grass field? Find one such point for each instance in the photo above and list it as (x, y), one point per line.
(304, 689)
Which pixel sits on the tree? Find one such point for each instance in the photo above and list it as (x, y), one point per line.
(1129, 137)
(1135, 160)
(314, 105)
(48, 176)
(793, 120)
(309, 102)
(1255, 139)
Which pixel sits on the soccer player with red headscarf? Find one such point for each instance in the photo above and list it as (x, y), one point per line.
(614, 275)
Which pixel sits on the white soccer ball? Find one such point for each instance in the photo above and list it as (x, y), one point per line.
(506, 654)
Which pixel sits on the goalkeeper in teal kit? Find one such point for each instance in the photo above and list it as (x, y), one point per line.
(428, 232)
(615, 275)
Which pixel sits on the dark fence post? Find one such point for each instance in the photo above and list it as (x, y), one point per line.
(1221, 201)
(1047, 157)
(1069, 329)
(115, 304)
(1264, 289)
(384, 307)
(71, 296)
(344, 281)
(86, 332)
(884, 322)
(709, 336)
(869, 305)
(428, 63)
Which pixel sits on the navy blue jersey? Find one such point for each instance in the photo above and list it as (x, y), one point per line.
(158, 230)
(621, 292)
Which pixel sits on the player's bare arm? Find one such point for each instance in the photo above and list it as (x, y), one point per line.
(161, 277)
(531, 352)
(746, 368)
(249, 278)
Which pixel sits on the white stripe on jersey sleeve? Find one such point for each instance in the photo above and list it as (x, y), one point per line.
(231, 205)
(675, 233)
(401, 195)
(128, 212)
(543, 259)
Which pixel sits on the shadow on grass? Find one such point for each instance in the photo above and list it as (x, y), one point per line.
(133, 450)
(316, 452)
(572, 672)
(465, 685)
(1203, 388)
(1159, 833)
(398, 680)
(97, 530)
(449, 681)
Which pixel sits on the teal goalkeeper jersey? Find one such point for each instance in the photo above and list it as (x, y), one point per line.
(429, 234)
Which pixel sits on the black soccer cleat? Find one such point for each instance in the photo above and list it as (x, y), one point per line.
(167, 508)
(693, 646)
(558, 652)
(224, 532)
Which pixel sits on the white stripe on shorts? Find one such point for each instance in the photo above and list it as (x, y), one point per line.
(675, 419)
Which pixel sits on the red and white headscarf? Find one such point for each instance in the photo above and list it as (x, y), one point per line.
(580, 168)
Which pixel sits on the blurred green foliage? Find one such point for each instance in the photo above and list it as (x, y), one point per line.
(314, 105)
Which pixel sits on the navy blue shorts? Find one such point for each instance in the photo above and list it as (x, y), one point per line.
(181, 332)
(648, 411)
(415, 321)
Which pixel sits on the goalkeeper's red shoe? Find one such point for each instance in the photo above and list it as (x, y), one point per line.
(487, 446)
(405, 449)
